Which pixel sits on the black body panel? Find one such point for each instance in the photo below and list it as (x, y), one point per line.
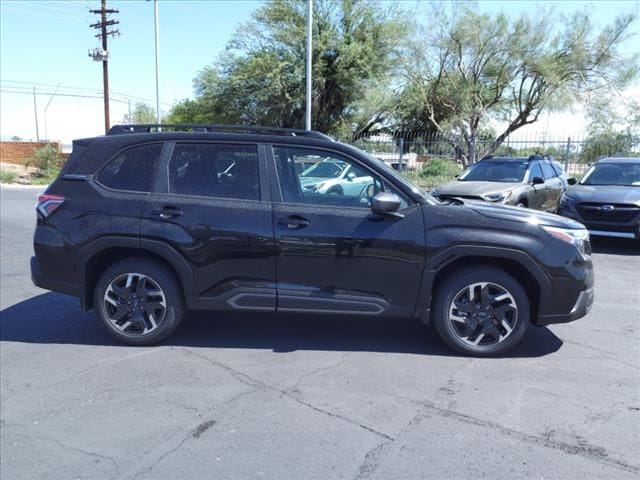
(371, 260)
(264, 254)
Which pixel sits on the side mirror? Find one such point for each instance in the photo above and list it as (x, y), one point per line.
(385, 203)
(351, 176)
(537, 181)
(572, 181)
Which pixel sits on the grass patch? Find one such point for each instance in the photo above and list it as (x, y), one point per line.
(45, 178)
(434, 172)
(7, 177)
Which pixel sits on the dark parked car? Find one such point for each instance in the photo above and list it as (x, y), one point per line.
(142, 225)
(533, 182)
(607, 199)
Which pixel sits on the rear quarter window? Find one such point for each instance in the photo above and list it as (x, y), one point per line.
(133, 169)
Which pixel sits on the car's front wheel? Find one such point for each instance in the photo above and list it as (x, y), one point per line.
(138, 301)
(481, 311)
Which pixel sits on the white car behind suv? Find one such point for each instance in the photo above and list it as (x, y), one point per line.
(335, 177)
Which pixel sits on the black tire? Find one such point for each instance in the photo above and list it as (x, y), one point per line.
(154, 274)
(522, 204)
(454, 285)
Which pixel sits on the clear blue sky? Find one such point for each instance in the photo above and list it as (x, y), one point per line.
(45, 43)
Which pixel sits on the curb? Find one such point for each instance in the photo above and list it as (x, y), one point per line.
(17, 186)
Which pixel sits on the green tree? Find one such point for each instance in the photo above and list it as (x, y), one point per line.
(260, 79)
(142, 113)
(610, 143)
(46, 159)
(466, 68)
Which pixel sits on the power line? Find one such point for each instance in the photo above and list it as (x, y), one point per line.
(74, 88)
(60, 94)
(29, 12)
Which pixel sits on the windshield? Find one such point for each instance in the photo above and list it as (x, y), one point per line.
(495, 171)
(625, 174)
(324, 170)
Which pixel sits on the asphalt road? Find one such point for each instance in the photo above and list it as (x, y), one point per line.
(291, 397)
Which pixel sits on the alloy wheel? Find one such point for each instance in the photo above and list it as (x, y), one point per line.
(135, 304)
(483, 314)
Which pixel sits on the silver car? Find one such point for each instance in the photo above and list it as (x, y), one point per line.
(530, 182)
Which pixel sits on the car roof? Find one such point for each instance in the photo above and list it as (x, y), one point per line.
(619, 160)
(492, 158)
(141, 133)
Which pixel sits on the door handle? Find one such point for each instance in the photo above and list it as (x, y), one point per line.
(294, 222)
(167, 212)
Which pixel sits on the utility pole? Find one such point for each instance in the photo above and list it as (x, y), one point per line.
(35, 112)
(309, 57)
(103, 55)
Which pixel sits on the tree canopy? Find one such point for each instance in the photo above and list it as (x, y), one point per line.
(463, 71)
(260, 79)
(454, 71)
(142, 113)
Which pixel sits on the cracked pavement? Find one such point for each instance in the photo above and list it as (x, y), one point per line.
(295, 397)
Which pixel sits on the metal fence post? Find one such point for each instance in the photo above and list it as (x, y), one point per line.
(473, 150)
(401, 152)
(566, 154)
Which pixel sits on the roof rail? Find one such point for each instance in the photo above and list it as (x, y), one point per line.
(206, 128)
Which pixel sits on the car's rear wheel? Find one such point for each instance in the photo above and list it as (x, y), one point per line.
(138, 301)
(481, 311)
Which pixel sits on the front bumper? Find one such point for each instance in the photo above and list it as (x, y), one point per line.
(582, 306)
(603, 228)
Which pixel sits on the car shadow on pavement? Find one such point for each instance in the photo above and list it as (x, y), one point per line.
(54, 318)
(615, 246)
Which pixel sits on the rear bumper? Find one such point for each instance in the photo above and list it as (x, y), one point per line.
(41, 280)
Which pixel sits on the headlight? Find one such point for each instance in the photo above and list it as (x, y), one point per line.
(566, 200)
(313, 187)
(575, 236)
(498, 197)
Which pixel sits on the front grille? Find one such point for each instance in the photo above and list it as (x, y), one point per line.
(617, 213)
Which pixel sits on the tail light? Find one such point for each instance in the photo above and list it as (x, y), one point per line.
(47, 204)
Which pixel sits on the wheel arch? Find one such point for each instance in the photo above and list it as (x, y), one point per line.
(100, 255)
(516, 263)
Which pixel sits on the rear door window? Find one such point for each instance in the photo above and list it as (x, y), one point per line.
(133, 169)
(548, 171)
(557, 168)
(215, 170)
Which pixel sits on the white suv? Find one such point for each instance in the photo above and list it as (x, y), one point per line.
(335, 177)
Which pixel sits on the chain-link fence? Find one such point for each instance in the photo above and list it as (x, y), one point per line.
(432, 158)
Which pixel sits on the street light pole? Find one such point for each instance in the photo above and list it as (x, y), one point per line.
(157, 33)
(309, 58)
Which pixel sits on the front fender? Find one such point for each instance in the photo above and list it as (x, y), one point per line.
(438, 262)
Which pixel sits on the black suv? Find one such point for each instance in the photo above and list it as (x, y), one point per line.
(143, 225)
(607, 198)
